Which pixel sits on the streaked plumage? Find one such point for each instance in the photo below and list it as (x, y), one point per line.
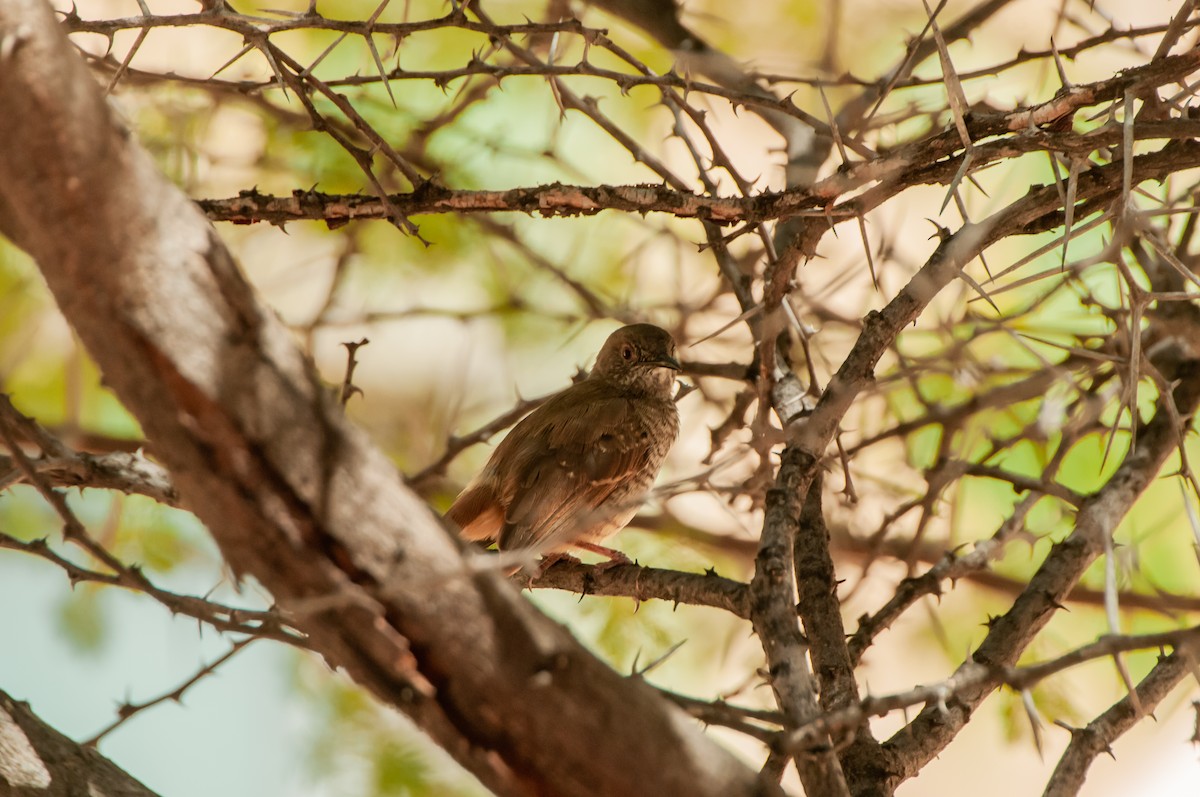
(574, 471)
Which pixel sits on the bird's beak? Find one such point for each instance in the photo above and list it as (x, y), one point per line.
(667, 361)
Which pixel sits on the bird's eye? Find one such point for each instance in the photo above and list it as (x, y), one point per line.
(627, 352)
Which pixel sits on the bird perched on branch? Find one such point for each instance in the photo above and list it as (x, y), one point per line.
(574, 471)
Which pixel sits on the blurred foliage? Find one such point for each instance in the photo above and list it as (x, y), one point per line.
(362, 748)
(502, 301)
(82, 617)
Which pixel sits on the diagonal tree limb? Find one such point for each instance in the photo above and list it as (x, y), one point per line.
(37, 760)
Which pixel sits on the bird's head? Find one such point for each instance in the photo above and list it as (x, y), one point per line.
(640, 357)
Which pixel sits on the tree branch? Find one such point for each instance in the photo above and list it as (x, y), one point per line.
(773, 613)
(819, 608)
(1100, 733)
(944, 695)
(38, 760)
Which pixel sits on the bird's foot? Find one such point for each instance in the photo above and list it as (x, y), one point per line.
(551, 559)
(615, 557)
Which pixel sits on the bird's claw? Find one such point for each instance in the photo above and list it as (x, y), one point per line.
(551, 559)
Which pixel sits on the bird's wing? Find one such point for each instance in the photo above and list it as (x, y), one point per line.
(570, 464)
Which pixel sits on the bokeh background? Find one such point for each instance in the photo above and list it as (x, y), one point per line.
(487, 309)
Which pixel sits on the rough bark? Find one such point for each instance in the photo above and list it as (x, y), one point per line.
(37, 760)
(294, 495)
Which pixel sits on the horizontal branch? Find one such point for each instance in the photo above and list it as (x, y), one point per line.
(258, 623)
(555, 199)
(221, 16)
(560, 200)
(129, 473)
(863, 549)
(975, 674)
(475, 68)
(649, 583)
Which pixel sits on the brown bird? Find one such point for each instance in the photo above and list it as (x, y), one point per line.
(573, 472)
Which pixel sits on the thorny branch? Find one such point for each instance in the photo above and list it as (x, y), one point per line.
(58, 465)
(825, 390)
